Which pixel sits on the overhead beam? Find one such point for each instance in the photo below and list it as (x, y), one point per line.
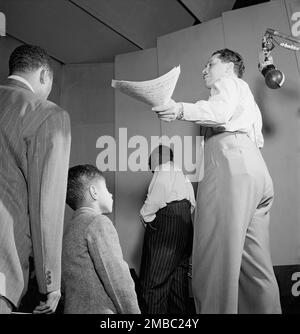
(93, 14)
(189, 11)
(138, 21)
(245, 3)
(205, 10)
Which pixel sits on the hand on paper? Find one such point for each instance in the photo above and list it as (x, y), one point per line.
(168, 112)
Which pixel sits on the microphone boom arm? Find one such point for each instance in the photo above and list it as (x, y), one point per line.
(274, 78)
(283, 36)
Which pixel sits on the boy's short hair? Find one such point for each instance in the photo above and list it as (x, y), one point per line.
(162, 149)
(227, 56)
(79, 179)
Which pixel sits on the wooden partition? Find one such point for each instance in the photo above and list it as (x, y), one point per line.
(87, 96)
(136, 120)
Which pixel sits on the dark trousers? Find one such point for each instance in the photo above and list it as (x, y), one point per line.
(165, 260)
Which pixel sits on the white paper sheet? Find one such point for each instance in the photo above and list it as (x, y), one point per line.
(154, 92)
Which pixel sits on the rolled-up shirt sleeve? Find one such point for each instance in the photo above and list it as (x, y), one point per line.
(218, 109)
(156, 198)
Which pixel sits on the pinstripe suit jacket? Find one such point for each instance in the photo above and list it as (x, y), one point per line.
(34, 159)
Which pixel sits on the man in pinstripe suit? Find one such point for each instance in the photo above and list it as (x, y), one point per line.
(34, 157)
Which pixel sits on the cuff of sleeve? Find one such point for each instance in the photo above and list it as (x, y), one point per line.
(188, 111)
(51, 284)
(149, 218)
(180, 115)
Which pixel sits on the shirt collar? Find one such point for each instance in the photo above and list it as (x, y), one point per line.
(167, 166)
(17, 77)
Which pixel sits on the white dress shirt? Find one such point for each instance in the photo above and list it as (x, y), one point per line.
(168, 184)
(17, 77)
(230, 107)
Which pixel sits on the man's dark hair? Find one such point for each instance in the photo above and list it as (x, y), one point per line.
(161, 148)
(27, 58)
(228, 56)
(79, 178)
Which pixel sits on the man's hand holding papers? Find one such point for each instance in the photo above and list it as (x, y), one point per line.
(156, 92)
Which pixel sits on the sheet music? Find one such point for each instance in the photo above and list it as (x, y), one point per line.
(153, 92)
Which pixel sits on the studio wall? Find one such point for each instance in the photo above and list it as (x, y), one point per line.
(138, 121)
(89, 99)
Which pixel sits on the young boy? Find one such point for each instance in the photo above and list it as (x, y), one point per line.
(95, 277)
(168, 237)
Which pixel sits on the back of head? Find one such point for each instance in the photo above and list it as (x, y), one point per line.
(29, 58)
(34, 65)
(79, 180)
(160, 155)
(227, 55)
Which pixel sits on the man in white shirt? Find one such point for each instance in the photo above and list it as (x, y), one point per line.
(168, 237)
(232, 268)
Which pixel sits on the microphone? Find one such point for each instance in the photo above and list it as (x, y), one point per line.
(274, 78)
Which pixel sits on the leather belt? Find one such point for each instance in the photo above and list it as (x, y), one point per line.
(209, 133)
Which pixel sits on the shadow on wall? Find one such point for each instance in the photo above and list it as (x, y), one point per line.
(260, 92)
(264, 95)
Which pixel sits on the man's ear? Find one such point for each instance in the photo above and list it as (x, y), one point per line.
(93, 192)
(43, 76)
(230, 67)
